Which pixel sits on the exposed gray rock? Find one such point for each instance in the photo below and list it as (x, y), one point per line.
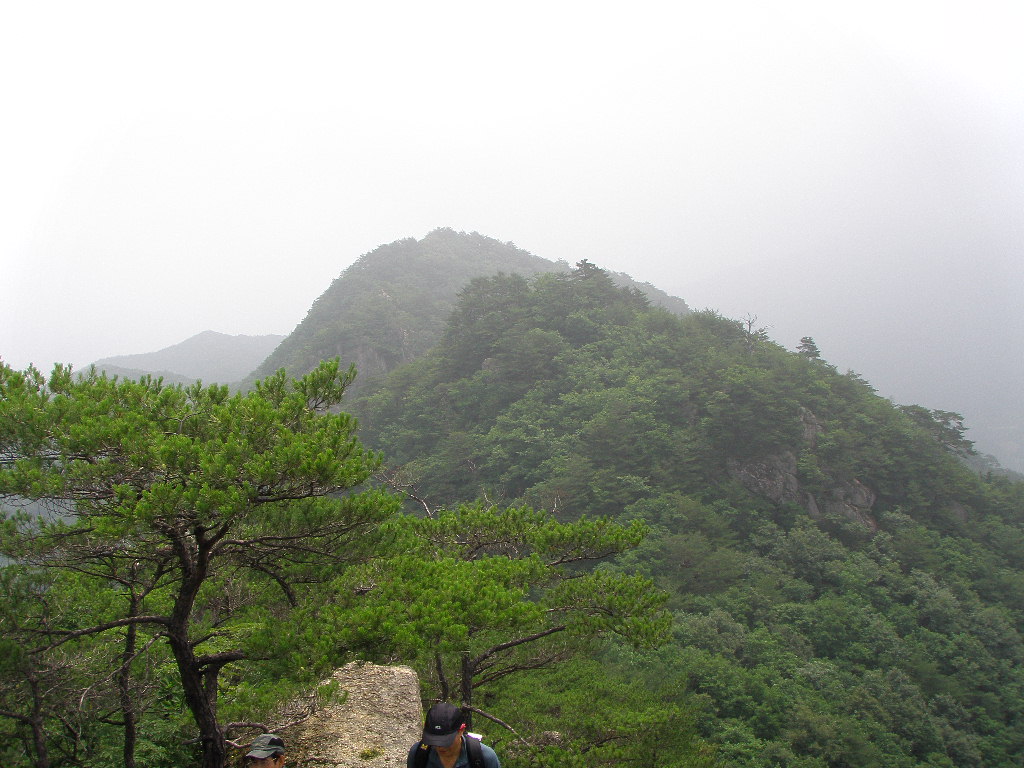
(812, 427)
(852, 500)
(775, 478)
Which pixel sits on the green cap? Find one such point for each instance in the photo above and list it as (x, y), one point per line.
(267, 745)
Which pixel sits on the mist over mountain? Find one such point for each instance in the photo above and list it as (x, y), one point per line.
(208, 356)
(883, 315)
(839, 578)
(391, 305)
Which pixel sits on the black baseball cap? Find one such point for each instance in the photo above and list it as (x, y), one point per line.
(443, 721)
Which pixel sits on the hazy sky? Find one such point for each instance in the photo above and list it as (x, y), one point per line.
(853, 171)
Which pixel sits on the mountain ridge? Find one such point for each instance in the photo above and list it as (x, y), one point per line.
(390, 306)
(385, 309)
(209, 356)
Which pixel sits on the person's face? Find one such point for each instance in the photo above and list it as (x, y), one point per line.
(264, 762)
(455, 747)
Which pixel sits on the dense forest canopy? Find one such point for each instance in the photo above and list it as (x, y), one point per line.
(847, 591)
(631, 536)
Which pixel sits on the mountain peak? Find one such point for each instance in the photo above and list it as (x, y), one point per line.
(391, 305)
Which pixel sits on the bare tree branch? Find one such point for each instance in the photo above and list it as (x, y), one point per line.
(513, 643)
(500, 722)
(67, 635)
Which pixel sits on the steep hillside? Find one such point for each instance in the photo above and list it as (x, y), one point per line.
(579, 376)
(209, 356)
(847, 591)
(391, 305)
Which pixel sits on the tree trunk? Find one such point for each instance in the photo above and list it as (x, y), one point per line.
(197, 698)
(124, 681)
(36, 724)
(468, 669)
(198, 701)
(442, 679)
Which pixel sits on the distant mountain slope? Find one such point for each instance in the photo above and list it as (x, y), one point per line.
(169, 377)
(392, 304)
(209, 356)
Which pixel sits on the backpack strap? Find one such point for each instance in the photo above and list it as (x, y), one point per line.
(476, 754)
(422, 753)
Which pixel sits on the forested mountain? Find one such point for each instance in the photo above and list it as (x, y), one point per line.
(846, 591)
(392, 304)
(631, 536)
(208, 356)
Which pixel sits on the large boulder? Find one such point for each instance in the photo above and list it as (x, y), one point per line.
(377, 717)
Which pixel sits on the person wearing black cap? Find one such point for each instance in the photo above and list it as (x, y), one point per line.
(446, 744)
(266, 751)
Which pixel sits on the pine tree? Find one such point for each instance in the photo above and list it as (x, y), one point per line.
(167, 493)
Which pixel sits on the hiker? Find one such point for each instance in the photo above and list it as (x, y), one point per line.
(446, 744)
(266, 751)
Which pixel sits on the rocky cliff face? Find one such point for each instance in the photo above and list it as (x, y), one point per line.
(776, 478)
(377, 717)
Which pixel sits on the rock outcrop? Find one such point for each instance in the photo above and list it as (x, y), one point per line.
(852, 500)
(377, 717)
(775, 478)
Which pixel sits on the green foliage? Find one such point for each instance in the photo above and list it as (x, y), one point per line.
(391, 306)
(572, 394)
(186, 518)
(847, 590)
(844, 590)
(480, 593)
(602, 711)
